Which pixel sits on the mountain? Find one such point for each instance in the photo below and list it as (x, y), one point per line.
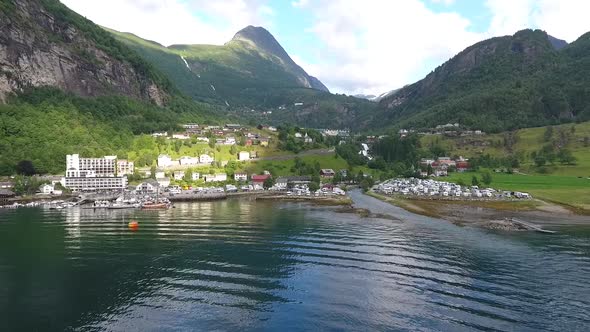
(499, 84)
(253, 78)
(241, 72)
(43, 43)
(558, 44)
(260, 39)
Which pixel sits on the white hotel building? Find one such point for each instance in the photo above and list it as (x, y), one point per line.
(90, 174)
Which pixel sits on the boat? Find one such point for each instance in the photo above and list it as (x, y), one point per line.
(117, 206)
(155, 206)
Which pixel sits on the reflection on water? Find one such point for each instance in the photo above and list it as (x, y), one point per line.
(247, 265)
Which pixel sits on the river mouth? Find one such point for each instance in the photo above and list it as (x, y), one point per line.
(259, 265)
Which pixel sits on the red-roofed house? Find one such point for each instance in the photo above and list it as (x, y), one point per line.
(259, 179)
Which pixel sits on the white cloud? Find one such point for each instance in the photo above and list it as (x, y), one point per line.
(172, 21)
(366, 46)
(375, 46)
(444, 2)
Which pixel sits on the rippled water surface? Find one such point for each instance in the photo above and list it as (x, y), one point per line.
(245, 265)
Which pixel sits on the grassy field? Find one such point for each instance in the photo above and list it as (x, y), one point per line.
(566, 190)
(283, 167)
(528, 140)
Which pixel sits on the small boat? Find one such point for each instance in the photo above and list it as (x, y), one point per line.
(121, 206)
(155, 206)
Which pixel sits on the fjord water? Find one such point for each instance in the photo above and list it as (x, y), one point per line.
(251, 265)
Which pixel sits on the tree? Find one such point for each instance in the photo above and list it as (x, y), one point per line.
(268, 183)
(540, 160)
(188, 175)
(548, 134)
(586, 141)
(25, 167)
(486, 178)
(314, 186)
(153, 172)
(474, 181)
(565, 156)
(233, 150)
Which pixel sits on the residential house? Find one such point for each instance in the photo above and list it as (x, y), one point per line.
(46, 189)
(188, 161)
(147, 187)
(306, 139)
(164, 160)
(327, 173)
(298, 135)
(164, 182)
(161, 134)
(206, 159)
(253, 154)
(160, 174)
(463, 166)
(264, 141)
(6, 185)
(282, 183)
(220, 177)
(230, 140)
(203, 139)
(196, 176)
(243, 156)
(125, 167)
(241, 177)
(259, 179)
(178, 175)
(248, 142)
(181, 136)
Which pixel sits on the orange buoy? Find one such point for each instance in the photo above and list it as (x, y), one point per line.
(133, 225)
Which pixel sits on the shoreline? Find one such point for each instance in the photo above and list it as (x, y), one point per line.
(476, 212)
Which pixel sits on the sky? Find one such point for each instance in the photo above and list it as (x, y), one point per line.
(352, 46)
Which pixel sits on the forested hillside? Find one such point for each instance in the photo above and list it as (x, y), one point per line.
(499, 84)
(43, 125)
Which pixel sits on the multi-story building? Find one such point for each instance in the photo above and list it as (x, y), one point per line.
(90, 174)
(90, 167)
(95, 183)
(125, 167)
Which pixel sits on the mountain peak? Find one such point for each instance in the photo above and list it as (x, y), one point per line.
(262, 39)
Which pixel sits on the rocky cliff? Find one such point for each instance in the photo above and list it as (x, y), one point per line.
(42, 43)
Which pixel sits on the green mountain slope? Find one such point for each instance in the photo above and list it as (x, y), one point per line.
(254, 79)
(499, 84)
(253, 60)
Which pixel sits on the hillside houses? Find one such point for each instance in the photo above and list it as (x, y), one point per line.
(443, 165)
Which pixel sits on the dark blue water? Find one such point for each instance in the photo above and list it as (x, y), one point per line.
(246, 265)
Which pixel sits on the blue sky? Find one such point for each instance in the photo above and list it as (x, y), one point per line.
(369, 46)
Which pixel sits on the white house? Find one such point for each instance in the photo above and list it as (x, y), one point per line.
(162, 134)
(206, 159)
(230, 140)
(160, 174)
(241, 177)
(188, 161)
(220, 177)
(196, 176)
(180, 136)
(164, 182)
(307, 139)
(243, 155)
(150, 186)
(46, 189)
(298, 135)
(164, 160)
(178, 175)
(203, 139)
